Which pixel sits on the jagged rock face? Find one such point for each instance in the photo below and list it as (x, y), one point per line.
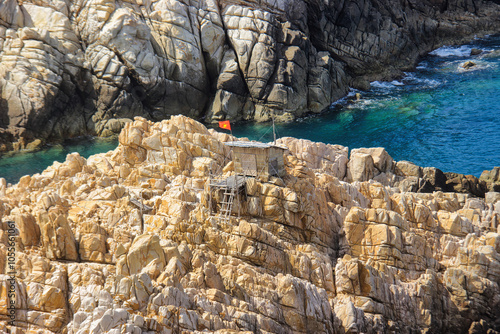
(373, 37)
(124, 242)
(491, 178)
(77, 67)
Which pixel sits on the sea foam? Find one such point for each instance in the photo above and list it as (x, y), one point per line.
(452, 51)
(385, 84)
(410, 78)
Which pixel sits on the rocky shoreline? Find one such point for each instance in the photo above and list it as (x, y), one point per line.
(124, 242)
(71, 68)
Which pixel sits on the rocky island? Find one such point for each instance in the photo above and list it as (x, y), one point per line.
(71, 68)
(131, 241)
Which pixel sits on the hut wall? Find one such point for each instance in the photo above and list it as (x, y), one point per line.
(250, 160)
(277, 154)
(255, 161)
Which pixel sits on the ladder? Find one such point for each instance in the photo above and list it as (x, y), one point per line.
(227, 204)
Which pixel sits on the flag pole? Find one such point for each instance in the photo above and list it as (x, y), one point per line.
(274, 130)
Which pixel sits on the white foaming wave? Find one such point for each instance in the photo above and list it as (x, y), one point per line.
(352, 92)
(409, 76)
(363, 103)
(412, 78)
(345, 101)
(397, 83)
(384, 84)
(428, 83)
(452, 51)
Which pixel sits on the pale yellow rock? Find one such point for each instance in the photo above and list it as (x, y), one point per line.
(143, 250)
(326, 157)
(202, 166)
(29, 231)
(229, 167)
(381, 159)
(92, 247)
(57, 237)
(360, 167)
(452, 223)
(406, 168)
(154, 223)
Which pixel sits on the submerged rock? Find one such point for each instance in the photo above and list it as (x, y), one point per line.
(125, 241)
(468, 65)
(475, 52)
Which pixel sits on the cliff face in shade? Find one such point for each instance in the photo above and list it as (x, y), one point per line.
(338, 245)
(73, 67)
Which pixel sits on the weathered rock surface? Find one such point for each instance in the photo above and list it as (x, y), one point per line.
(69, 68)
(491, 178)
(123, 242)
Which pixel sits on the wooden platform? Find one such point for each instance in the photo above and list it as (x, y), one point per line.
(231, 182)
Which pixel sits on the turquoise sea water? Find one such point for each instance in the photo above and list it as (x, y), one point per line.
(439, 115)
(13, 166)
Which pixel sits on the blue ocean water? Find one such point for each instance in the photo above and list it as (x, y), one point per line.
(440, 116)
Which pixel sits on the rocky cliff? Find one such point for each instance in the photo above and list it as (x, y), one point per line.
(123, 242)
(73, 67)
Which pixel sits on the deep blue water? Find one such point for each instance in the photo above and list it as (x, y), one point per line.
(439, 115)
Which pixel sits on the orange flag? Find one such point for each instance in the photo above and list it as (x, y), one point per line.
(225, 125)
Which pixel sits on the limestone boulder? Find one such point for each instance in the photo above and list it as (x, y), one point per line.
(466, 184)
(381, 159)
(42, 293)
(453, 223)
(492, 179)
(327, 157)
(57, 237)
(492, 197)
(92, 243)
(406, 168)
(29, 230)
(436, 178)
(144, 249)
(360, 167)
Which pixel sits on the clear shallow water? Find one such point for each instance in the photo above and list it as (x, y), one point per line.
(439, 115)
(14, 166)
